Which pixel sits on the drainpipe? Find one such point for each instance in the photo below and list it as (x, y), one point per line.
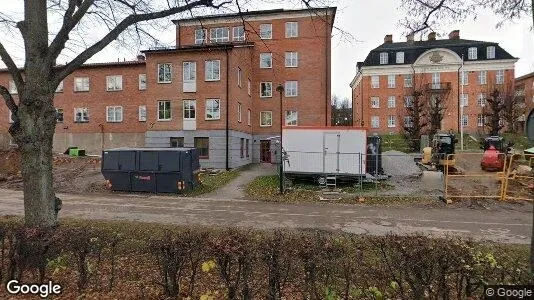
(458, 91)
(362, 122)
(227, 113)
(328, 100)
(101, 136)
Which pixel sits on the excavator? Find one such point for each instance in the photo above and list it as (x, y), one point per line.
(439, 155)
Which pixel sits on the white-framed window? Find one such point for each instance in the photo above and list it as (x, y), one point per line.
(213, 70)
(201, 36)
(213, 109)
(481, 100)
(59, 88)
(436, 80)
(375, 121)
(291, 118)
(391, 102)
(164, 73)
(238, 34)
(292, 59)
(292, 88)
(114, 114)
(384, 58)
(391, 81)
(59, 115)
(392, 121)
(465, 120)
(266, 118)
(164, 110)
(239, 76)
(249, 117)
(239, 112)
(142, 82)
(219, 35)
(375, 81)
(266, 60)
(472, 53)
(266, 89)
(499, 77)
(12, 87)
(292, 29)
(408, 80)
(190, 109)
(464, 78)
(81, 115)
(114, 83)
(189, 75)
(408, 101)
(249, 87)
(481, 120)
(490, 52)
(408, 121)
(375, 102)
(464, 100)
(266, 31)
(482, 77)
(81, 84)
(400, 57)
(142, 113)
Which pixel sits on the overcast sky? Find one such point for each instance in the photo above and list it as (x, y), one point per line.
(367, 22)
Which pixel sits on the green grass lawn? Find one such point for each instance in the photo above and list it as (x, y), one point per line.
(211, 183)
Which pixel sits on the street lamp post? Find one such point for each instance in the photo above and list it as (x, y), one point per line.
(280, 90)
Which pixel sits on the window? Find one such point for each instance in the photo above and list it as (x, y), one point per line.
(464, 100)
(391, 102)
(266, 60)
(247, 144)
(292, 29)
(481, 100)
(59, 88)
(213, 109)
(81, 115)
(203, 146)
(464, 78)
(481, 120)
(482, 77)
(499, 77)
(408, 80)
(190, 107)
(391, 81)
(375, 102)
(266, 118)
(59, 115)
(408, 101)
(142, 82)
(291, 117)
(242, 147)
(266, 31)
(392, 120)
(213, 70)
(375, 81)
(436, 81)
(249, 87)
(81, 84)
(384, 58)
(472, 53)
(114, 83)
(12, 87)
(408, 121)
(291, 89)
(266, 89)
(114, 114)
(200, 36)
(164, 111)
(142, 113)
(400, 57)
(490, 52)
(219, 35)
(189, 71)
(292, 59)
(375, 121)
(465, 120)
(164, 73)
(238, 34)
(239, 108)
(176, 142)
(239, 76)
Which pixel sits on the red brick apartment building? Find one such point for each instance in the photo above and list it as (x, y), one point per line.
(454, 69)
(215, 90)
(524, 87)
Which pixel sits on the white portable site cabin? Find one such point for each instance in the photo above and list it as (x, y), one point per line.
(321, 152)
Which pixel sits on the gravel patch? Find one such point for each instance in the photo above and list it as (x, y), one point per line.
(397, 163)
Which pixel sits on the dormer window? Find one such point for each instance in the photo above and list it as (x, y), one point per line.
(400, 57)
(490, 52)
(384, 58)
(472, 53)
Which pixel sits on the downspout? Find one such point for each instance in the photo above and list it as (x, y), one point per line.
(362, 122)
(227, 112)
(458, 87)
(328, 100)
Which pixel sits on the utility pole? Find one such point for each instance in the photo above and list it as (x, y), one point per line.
(280, 89)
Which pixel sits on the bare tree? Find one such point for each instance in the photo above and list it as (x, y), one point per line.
(45, 40)
(416, 111)
(341, 112)
(514, 108)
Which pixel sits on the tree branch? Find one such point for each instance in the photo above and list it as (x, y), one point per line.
(13, 107)
(12, 67)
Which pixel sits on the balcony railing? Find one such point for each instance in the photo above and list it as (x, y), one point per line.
(442, 86)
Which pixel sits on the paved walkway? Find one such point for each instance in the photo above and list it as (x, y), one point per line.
(236, 188)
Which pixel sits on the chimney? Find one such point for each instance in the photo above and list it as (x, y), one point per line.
(454, 35)
(388, 39)
(410, 38)
(432, 36)
(359, 65)
(140, 57)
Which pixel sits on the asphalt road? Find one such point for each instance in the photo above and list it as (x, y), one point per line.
(507, 224)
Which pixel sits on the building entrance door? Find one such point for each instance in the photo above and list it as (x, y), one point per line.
(265, 151)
